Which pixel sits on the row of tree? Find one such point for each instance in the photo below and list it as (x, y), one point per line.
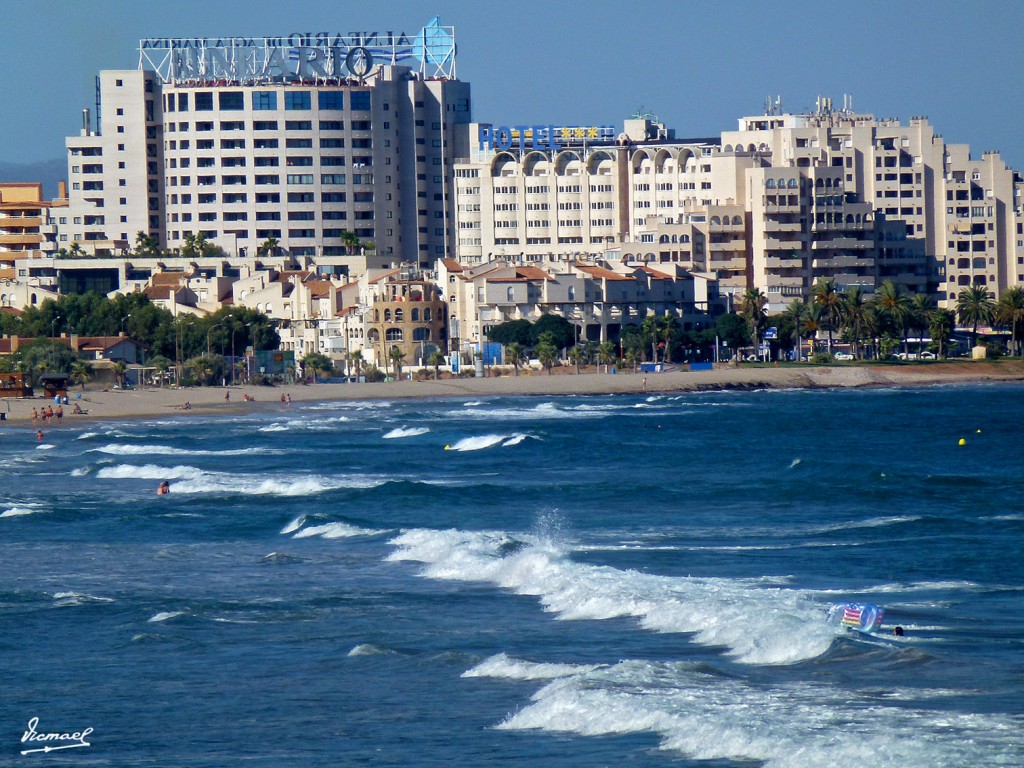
(203, 345)
(891, 312)
(197, 245)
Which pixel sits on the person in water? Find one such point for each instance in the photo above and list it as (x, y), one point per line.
(898, 631)
(163, 489)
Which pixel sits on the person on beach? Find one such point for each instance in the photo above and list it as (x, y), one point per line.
(77, 409)
(282, 398)
(35, 416)
(163, 489)
(60, 413)
(643, 385)
(227, 397)
(49, 412)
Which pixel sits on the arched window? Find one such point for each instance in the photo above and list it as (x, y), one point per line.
(737, 220)
(663, 239)
(393, 334)
(426, 314)
(415, 315)
(387, 315)
(376, 315)
(373, 336)
(399, 316)
(782, 183)
(715, 221)
(572, 293)
(510, 294)
(793, 184)
(770, 184)
(421, 334)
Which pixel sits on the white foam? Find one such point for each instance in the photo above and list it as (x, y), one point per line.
(336, 531)
(707, 717)
(502, 666)
(306, 424)
(477, 443)
(45, 447)
(19, 511)
(194, 480)
(367, 649)
(757, 623)
(164, 616)
(406, 432)
(87, 435)
(540, 411)
(166, 450)
(295, 524)
(65, 599)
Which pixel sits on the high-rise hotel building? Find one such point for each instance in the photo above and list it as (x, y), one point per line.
(303, 140)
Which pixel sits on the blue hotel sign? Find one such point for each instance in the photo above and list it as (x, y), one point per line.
(540, 137)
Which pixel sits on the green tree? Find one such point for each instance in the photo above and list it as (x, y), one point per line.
(563, 333)
(317, 362)
(975, 306)
(146, 244)
(921, 308)
(268, 247)
(44, 356)
(436, 359)
(578, 356)
(858, 319)
(752, 310)
(514, 354)
(894, 306)
(941, 327)
(546, 351)
(825, 295)
(350, 240)
(81, 372)
(731, 329)
(397, 357)
(518, 331)
(794, 314)
(120, 369)
(605, 354)
(1010, 314)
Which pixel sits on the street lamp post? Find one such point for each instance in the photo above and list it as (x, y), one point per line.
(208, 332)
(122, 322)
(53, 323)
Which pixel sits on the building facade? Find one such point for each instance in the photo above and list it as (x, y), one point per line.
(322, 145)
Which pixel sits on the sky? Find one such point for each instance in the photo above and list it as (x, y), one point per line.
(698, 65)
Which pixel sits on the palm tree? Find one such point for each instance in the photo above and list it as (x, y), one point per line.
(119, 371)
(941, 327)
(316, 362)
(75, 251)
(605, 354)
(546, 351)
(578, 355)
(894, 304)
(1010, 313)
(811, 325)
(397, 357)
(81, 372)
(975, 305)
(826, 295)
(350, 240)
(752, 309)
(514, 352)
(857, 317)
(795, 311)
(921, 308)
(268, 247)
(436, 359)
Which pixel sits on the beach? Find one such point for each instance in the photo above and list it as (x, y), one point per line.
(113, 404)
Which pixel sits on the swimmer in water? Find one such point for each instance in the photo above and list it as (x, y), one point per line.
(163, 489)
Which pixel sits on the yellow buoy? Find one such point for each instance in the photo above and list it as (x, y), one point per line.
(978, 432)
(962, 442)
(447, 447)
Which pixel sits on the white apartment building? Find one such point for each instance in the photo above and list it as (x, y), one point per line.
(303, 139)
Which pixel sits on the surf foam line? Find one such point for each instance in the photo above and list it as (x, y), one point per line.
(194, 480)
(167, 450)
(711, 717)
(758, 623)
(481, 442)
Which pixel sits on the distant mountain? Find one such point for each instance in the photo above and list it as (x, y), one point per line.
(49, 172)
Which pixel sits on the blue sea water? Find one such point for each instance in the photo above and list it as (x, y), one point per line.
(571, 581)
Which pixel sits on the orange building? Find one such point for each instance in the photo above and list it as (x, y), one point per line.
(27, 228)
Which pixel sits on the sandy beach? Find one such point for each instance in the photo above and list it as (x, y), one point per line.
(117, 404)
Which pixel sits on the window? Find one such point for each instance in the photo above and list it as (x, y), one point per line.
(298, 143)
(262, 100)
(332, 197)
(332, 178)
(331, 100)
(297, 100)
(332, 125)
(301, 233)
(204, 101)
(182, 102)
(301, 216)
(264, 125)
(301, 197)
(300, 178)
(264, 143)
(299, 161)
(332, 143)
(298, 125)
(231, 101)
(268, 197)
(359, 101)
(332, 161)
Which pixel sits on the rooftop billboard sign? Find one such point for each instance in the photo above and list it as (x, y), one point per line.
(298, 56)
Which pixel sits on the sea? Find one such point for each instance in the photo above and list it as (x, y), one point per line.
(630, 580)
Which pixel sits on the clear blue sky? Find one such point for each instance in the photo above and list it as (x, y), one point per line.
(697, 64)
